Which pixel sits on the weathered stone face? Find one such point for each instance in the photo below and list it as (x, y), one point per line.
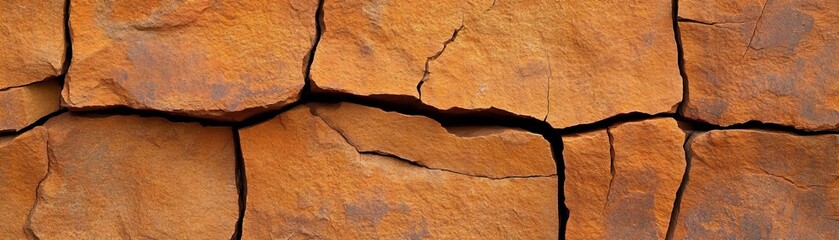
(22, 106)
(224, 60)
(621, 183)
(132, 177)
(493, 152)
(32, 44)
(579, 63)
(751, 184)
(305, 180)
(23, 163)
(772, 61)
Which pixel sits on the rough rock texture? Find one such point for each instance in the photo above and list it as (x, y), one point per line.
(751, 184)
(32, 44)
(621, 183)
(306, 181)
(768, 61)
(23, 163)
(424, 141)
(224, 60)
(22, 106)
(128, 177)
(579, 63)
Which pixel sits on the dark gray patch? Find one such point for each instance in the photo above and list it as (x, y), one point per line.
(369, 211)
(219, 91)
(783, 29)
(417, 230)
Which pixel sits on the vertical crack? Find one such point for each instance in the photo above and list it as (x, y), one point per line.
(550, 77)
(611, 165)
(434, 57)
(754, 30)
(320, 27)
(27, 229)
(557, 147)
(241, 183)
(677, 203)
(680, 54)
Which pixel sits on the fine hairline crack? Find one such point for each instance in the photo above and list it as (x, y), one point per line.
(434, 57)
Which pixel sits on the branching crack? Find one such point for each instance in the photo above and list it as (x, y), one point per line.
(611, 165)
(434, 57)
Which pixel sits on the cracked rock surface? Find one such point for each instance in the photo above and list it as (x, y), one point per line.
(578, 63)
(32, 44)
(126, 177)
(23, 163)
(493, 152)
(767, 61)
(305, 180)
(752, 184)
(22, 106)
(223, 60)
(621, 183)
(381, 119)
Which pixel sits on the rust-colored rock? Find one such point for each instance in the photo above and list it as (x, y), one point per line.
(767, 61)
(23, 163)
(224, 60)
(567, 65)
(306, 181)
(751, 184)
(32, 45)
(626, 191)
(128, 177)
(22, 106)
(469, 150)
(587, 177)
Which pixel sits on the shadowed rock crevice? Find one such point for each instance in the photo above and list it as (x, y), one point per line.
(241, 184)
(674, 217)
(320, 26)
(412, 162)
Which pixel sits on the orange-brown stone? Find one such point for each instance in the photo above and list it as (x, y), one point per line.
(22, 106)
(768, 61)
(224, 60)
(127, 177)
(23, 163)
(625, 190)
(753, 184)
(578, 63)
(32, 44)
(424, 141)
(305, 180)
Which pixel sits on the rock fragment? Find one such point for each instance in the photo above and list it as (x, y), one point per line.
(32, 44)
(23, 163)
(127, 177)
(222, 60)
(306, 181)
(578, 63)
(767, 61)
(626, 191)
(755, 184)
(424, 141)
(22, 106)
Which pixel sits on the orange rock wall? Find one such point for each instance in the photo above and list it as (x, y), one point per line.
(378, 119)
